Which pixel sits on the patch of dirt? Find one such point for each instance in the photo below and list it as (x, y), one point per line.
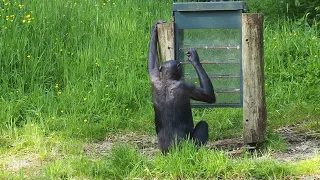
(16, 163)
(30, 163)
(300, 145)
(146, 144)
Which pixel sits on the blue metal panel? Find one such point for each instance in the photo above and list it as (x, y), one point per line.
(216, 105)
(210, 15)
(241, 77)
(209, 6)
(206, 19)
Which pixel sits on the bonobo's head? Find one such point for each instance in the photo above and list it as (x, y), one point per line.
(171, 70)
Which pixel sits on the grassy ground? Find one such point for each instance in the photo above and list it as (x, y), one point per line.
(74, 71)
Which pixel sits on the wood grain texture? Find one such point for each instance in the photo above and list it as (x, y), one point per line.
(166, 41)
(254, 103)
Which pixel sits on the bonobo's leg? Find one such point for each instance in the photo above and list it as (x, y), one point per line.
(200, 133)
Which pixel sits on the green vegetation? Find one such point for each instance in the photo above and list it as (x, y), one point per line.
(273, 9)
(74, 71)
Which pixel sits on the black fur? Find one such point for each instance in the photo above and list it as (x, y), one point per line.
(171, 98)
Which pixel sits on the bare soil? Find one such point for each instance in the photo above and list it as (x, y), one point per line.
(300, 145)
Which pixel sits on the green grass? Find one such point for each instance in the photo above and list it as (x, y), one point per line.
(185, 162)
(72, 72)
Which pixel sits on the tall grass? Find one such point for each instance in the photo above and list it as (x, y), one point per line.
(82, 65)
(292, 71)
(73, 71)
(80, 60)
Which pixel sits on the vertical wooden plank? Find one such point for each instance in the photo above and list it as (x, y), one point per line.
(254, 103)
(166, 41)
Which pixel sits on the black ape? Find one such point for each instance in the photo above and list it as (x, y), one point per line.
(171, 98)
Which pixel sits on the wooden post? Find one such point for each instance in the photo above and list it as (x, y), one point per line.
(254, 103)
(166, 41)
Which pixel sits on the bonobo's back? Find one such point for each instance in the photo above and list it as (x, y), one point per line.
(173, 117)
(171, 102)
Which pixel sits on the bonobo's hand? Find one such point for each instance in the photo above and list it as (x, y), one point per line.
(193, 56)
(158, 22)
(161, 22)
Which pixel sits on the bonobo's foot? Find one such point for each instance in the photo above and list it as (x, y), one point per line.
(200, 133)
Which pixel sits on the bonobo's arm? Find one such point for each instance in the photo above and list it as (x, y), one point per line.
(206, 92)
(153, 55)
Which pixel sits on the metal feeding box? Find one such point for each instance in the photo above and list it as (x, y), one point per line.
(214, 30)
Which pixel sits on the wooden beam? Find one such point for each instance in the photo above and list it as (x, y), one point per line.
(166, 41)
(254, 103)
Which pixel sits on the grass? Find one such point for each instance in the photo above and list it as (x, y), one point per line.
(72, 72)
(185, 162)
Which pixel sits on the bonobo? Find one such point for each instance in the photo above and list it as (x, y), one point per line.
(171, 98)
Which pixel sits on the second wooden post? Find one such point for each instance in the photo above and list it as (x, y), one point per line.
(254, 103)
